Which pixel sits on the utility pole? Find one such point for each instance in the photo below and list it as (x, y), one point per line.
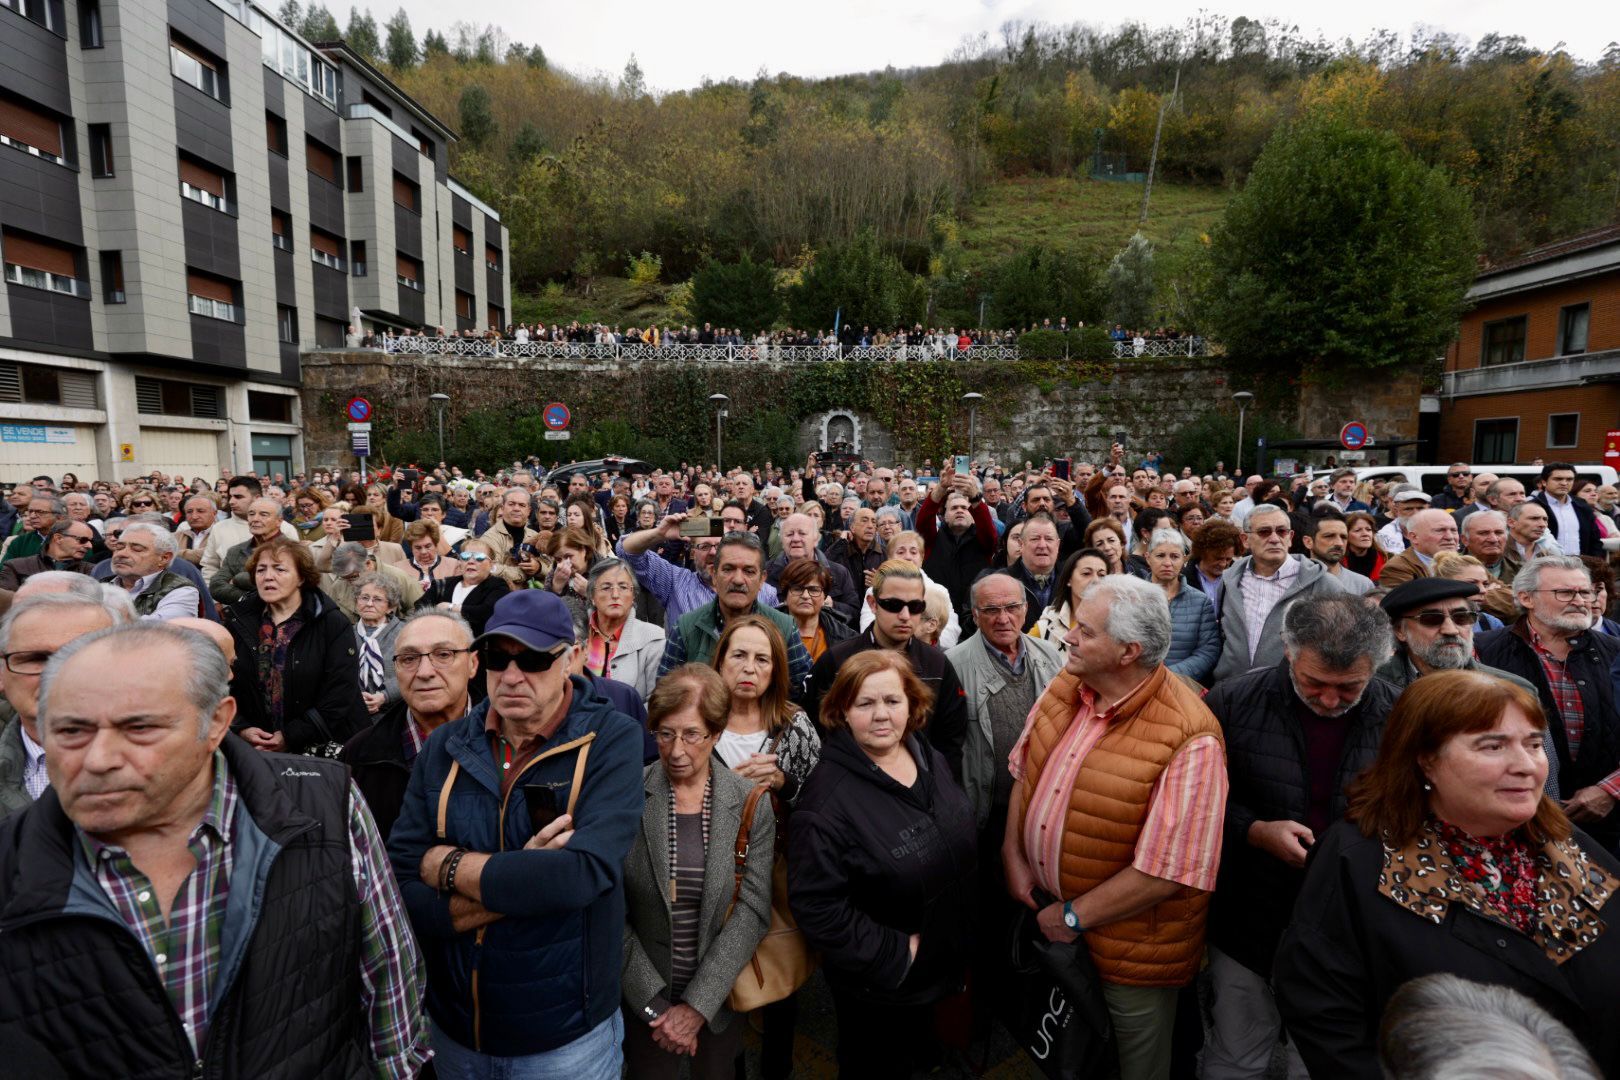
(1158, 130)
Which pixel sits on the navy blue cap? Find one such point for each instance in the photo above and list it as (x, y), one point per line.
(535, 617)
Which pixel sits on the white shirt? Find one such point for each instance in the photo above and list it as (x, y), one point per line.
(460, 594)
(1392, 538)
(1569, 526)
(35, 779)
(735, 747)
(178, 603)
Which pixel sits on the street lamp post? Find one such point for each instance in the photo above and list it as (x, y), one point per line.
(972, 401)
(440, 403)
(719, 401)
(1242, 397)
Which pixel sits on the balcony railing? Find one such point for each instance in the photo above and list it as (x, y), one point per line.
(1532, 374)
(566, 350)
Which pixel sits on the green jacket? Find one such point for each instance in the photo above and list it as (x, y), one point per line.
(24, 544)
(698, 632)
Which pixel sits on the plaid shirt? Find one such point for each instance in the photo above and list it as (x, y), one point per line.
(1571, 708)
(185, 948)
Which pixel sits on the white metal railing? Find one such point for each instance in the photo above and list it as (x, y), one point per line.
(569, 350)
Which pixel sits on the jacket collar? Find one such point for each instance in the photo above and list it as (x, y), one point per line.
(469, 745)
(725, 817)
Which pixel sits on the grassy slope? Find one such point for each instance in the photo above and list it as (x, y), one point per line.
(1091, 216)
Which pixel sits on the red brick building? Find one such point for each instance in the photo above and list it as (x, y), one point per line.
(1535, 370)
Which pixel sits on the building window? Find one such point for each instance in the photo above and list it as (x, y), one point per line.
(112, 277)
(327, 250)
(423, 143)
(1496, 442)
(281, 230)
(195, 67)
(367, 97)
(357, 177)
(287, 324)
(90, 24)
(101, 150)
(1572, 325)
(461, 240)
(357, 258)
(330, 333)
(464, 305)
(409, 272)
(275, 134)
(31, 384)
(275, 408)
(207, 185)
(47, 13)
(170, 397)
(492, 256)
(407, 194)
(321, 161)
(1563, 430)
(211, 297)
(43, 264)
(494, 317)
(26, 127)
(1504, 342)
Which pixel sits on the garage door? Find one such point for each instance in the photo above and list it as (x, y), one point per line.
(30, 450)
(190, 453)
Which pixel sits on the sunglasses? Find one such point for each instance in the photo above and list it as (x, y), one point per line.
(1433, 619)
(476, 556)
(1266, 532)
(894, 605)
(142, 502)
(528, 661)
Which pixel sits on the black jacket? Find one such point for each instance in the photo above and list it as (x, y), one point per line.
(946, 730)
(835, 629)
(846, 597)
(476, 608)
(75, 979)
(321, 686)
(1591, 539)
(1349, 948)
(1270, 781)
(1591, 661)
(871, 862)
(856, 563)
(376, 761)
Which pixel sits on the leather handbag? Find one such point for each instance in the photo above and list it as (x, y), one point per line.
(783, 961)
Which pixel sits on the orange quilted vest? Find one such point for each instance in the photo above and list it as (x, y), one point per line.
(1164, 945)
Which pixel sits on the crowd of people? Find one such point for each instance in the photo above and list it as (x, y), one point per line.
(547, 773)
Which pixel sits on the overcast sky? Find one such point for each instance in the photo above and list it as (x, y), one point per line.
(679, 44)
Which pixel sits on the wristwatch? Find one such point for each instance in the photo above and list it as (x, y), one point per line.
(1070, 919)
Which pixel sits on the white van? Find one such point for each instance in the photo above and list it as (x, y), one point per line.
(1432, 478)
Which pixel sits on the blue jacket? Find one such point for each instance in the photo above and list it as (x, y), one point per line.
(548, 972)
(1195, 637)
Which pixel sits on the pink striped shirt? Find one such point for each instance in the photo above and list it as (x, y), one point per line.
(1180, 840)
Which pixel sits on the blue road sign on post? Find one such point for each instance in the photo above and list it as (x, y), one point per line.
(556, 416)
(359, 410)
(1353, 436)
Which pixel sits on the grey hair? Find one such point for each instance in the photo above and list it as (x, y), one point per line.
(1140, 612)
(462, 625)
(1342, 630)
(1484, 516)
(747, 540)
(602, 566)
(61, 601)
(389, 587)
(1528, 580)
(207, 682)
(348, 557)
(162, 539)
(521, 491)
(1263, 508)
(76, 495)
(58, 507)
(151, 518)
(1171, 537)
(1441, 1027)
(892, 512)
(71, 581)
(988, 575)
(1519, 508)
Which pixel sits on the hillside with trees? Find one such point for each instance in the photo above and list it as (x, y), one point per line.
(974, 178)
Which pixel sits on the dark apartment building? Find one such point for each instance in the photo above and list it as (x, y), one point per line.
(190, 197)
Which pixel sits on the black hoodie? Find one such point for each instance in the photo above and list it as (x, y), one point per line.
(871, 862)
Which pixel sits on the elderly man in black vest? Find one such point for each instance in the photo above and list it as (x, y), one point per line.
(168, 832)
(141, 566)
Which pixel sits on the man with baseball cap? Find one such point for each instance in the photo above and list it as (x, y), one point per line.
(1407, 500)
(509, 852)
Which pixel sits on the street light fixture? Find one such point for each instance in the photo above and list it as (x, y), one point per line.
(971, 400)
(719, 401)
(1243, 398)
(441, 402)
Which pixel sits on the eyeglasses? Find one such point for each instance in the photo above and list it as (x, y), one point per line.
(1564, 596)
(27, 663)
(79, 539)
(1266, 532)
(528, 661)
(1434, 619)
(894, 605)
(475, 556)
(811, 591)
(690, 738)
(441, 658)
(998, 610)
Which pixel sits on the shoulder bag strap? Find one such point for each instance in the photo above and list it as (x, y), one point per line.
(579, 774)
(740, 852)
(444, 793)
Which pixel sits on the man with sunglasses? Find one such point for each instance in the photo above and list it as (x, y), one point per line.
(1257, 589)
(897, 601)
(66, 546)
(1434, 620)
(509, 851)
(1296, 732)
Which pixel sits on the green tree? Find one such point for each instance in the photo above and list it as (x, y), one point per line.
(477, 115)
(632, 84)
(527, 144)
(1130, 284)
(401, 44)
(1343, 252)
(741, 294)
(868, 285)
(362, 34)
(319, 25)
(434, 44)
(1038, 282)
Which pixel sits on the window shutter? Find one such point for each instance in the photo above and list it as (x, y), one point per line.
(205, 402)
(463, 238)
(148, 396)
(10, 383)
(209, 288)
(203, 177)
(322, 242)
(408, 267)
(39, 255)
(492, 254)
(404, 192)
(28, 125)
(78, 389)
(278, 223)
(321, 161)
